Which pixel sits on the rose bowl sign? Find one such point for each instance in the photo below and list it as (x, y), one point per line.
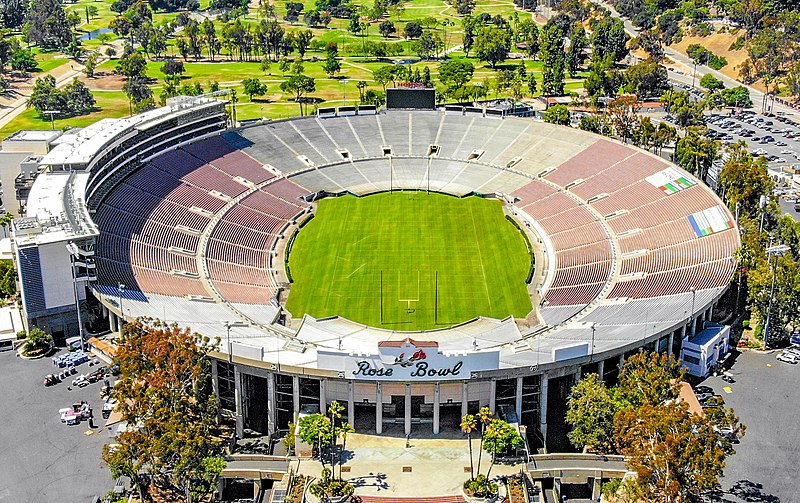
(409, 360)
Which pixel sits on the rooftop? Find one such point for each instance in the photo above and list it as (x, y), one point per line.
(81, 147)
(56, 210)
(707, 334)
(34, 135)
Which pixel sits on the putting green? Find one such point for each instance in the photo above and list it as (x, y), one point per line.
(409, 261)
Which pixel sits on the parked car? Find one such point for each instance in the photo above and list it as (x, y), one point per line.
(703, 389)
(702, 397)
(51, 379)
(786, 358)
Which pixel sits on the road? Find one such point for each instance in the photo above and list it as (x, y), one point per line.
(756, 95)
(764, 396)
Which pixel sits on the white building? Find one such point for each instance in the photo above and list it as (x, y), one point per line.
(703, 352)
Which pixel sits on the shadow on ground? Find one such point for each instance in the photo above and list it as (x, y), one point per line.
(745, 490)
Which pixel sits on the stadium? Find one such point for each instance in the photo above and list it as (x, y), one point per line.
(413, 264)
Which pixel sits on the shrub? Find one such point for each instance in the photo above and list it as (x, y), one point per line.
(37, 341)
(329, 487)
(480, 487)
(21, 335)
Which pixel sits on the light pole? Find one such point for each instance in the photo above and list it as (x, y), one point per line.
(773, 251)
(762, 203)
(73, 251)
(691, 314)
(344, 91)
(121, 288)
(52, 114)
(228, 324)
(591, 356)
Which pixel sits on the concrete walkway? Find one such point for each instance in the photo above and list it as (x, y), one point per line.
(429, 467)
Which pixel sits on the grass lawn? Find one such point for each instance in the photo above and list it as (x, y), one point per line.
(375, 259)
(108, 104)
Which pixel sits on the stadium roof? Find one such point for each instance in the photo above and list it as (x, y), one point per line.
(80, 148)
(56, 210)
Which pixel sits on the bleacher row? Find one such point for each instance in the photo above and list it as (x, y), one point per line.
(152, 221)
(659, 252)
(588, 194)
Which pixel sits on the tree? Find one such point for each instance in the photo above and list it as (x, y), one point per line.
(676, 455)
(383, 75)
(361, 85)
(744, 179)
(78, 98)
(47, 25)
(45, 96)
(738, 96)
(551, 52)
(316, 431)
(686, 111)
(528, 34)
(37, 341)
(557, 114)
(623, 116)
(332, 65)
(469, 25)
(301, 40)
(500, 437)
(412, 30)
(164, 389)
(695, 153)
(210, 37)
(387, 29)
(23, 61)
(173, 67)
(299, 85)
(468, 425)
(492, 45)
(484, 418)
(609, 37)
(428, 44)
(577, 43)
(455, 74)
(711, 83)
(136, 90)
(131, 65)
(596, 124)
(204, 479)
(254, 87)
(293, 10)
(646, 79)
(590, 413)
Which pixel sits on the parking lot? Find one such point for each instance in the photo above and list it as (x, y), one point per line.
(42, 459)
(775, 138)
(765, 397)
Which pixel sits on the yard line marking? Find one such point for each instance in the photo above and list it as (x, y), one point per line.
(357, 269)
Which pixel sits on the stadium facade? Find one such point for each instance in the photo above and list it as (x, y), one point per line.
(172, 215)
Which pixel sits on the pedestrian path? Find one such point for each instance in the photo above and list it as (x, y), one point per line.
(387, 469)
(391, 499)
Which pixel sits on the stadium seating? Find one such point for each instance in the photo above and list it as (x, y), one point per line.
(612, 235)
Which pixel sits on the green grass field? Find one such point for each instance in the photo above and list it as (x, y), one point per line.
(396, 250)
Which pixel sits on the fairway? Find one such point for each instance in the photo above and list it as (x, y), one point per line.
(409, 261)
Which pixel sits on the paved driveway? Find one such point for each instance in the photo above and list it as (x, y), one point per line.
(765, 396)
(41, 459)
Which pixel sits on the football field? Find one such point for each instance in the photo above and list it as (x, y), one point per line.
(409, 261)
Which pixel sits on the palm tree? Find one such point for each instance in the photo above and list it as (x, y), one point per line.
(468, 425)
(485, 417)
